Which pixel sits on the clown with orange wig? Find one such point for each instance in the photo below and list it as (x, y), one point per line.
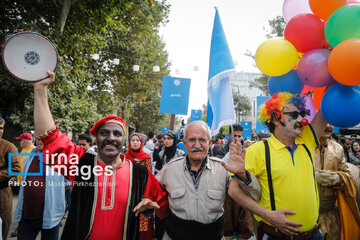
(273, 107)
(286, 204)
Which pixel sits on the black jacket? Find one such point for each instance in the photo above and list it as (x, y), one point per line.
(82, 210)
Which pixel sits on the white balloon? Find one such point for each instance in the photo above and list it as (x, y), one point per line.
(291, 8)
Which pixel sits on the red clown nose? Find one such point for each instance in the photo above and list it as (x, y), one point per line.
(304, 122)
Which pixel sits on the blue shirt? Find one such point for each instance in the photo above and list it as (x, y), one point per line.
(54, 204)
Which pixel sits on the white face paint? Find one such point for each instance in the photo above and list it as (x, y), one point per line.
(290, 130)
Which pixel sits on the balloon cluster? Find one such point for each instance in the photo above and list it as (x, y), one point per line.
(319, 54)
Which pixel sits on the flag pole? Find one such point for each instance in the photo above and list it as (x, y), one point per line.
(172, 121)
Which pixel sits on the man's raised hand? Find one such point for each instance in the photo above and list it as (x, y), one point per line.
(47, 81)
(236, 163)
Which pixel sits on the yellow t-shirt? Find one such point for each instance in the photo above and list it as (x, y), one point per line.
(292, 177)
(22, 160)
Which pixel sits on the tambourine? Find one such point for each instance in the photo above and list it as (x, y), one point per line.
(28, 55)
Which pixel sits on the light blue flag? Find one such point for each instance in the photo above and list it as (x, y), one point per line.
(247, 126)
(195, 115)
(220, 111)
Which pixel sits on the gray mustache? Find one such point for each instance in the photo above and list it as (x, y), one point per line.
(200, 149)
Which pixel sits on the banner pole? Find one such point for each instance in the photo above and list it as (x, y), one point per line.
(172, 121)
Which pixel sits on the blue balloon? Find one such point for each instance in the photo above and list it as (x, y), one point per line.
(340, 105)
(289, 82)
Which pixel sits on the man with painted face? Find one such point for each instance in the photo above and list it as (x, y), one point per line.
(288, 206)
(197, 186)
(106, 202)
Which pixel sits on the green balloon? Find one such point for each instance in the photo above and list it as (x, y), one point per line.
(343, 24)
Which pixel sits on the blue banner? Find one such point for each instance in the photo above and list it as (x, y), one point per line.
(195, 115)
(175, 95)
(260, 100)
(164, 129)
(247, 130)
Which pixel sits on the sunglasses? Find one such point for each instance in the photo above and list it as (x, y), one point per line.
(295, 114)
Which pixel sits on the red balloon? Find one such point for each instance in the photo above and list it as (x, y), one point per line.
(305, 32)
(306, 90)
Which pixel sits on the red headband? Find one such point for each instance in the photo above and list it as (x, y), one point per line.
(109, 119)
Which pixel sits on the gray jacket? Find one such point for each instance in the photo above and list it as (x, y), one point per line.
(204, 204)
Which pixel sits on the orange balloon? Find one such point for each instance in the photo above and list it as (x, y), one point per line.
(344, 62)
(318, 95)
(324, 8)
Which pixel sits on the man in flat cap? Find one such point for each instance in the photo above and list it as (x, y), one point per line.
(109, 191)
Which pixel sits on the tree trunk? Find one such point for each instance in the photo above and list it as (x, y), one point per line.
(63, 16)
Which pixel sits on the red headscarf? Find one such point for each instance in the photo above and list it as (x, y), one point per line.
(131, 155)
(109, 119)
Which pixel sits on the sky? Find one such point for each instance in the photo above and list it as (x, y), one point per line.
(187, 36)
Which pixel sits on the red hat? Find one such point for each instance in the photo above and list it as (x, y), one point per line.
(26, 136)
(109, 119)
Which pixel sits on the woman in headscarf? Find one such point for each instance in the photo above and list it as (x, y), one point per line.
(136, 154)
(170, 152)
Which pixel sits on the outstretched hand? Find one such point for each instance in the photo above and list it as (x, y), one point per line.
(47, 81)
(279, 220)
(144, 205)
(236, 163)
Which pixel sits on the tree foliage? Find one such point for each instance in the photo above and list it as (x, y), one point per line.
(242, 105)
(85, 89)
(277, 27)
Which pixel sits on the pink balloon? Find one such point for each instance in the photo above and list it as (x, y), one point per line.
(309, 104)
(352, 2)
(291, 8)
(313, 68)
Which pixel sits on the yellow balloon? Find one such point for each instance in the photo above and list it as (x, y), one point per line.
(275, 57)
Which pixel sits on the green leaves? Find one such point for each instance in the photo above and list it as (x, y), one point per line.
(86, 90)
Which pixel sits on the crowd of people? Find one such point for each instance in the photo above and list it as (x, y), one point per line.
(294, 182)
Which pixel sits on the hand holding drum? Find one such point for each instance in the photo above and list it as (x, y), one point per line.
(28, 56)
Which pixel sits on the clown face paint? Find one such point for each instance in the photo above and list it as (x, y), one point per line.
(292, 127)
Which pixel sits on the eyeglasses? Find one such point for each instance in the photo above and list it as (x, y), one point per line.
(193, 140)
(295, 114)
